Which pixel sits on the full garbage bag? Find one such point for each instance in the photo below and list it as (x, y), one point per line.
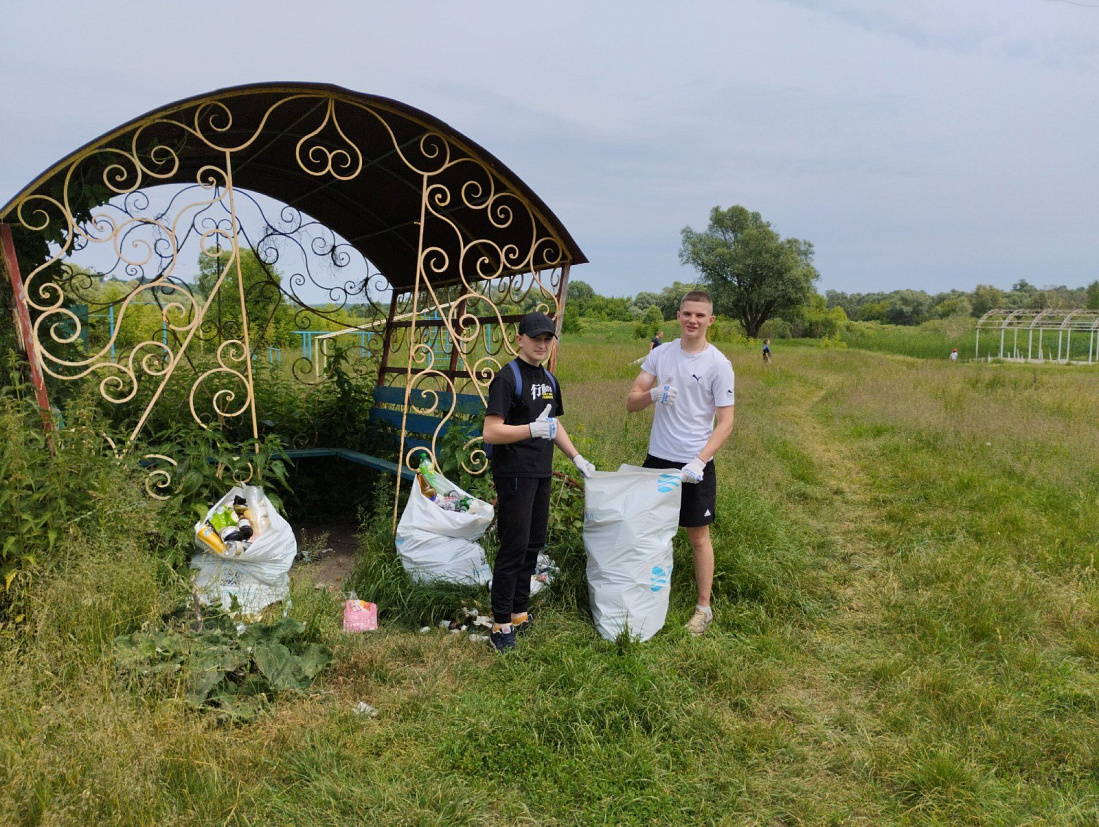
(259, 574)
(630, 518)
(437, 545)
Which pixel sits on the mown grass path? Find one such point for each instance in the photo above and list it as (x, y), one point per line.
(956, 536)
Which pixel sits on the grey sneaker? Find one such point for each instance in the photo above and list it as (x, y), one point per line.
(700, 621)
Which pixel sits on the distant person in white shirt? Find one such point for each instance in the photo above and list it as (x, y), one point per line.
(954, 355)
(691, 384)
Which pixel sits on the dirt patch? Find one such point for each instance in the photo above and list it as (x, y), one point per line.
(328, 552)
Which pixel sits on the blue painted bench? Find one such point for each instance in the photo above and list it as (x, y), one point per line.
(419, 428)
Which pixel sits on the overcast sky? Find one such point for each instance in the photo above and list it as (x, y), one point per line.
(929, 144)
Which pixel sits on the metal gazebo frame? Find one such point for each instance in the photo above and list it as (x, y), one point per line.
(1061, 322)
(456, 241)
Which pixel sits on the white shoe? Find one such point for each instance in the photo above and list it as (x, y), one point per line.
(700, 621)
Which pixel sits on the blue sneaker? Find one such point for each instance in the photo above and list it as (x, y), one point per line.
(504, 639)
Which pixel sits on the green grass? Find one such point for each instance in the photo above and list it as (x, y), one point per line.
(931, 340)
(907, 623)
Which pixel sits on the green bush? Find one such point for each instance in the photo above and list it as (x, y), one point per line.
(727, 331)
(58, 486)
(649, 323)
(775, 329)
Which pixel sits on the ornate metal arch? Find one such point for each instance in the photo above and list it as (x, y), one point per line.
(380, 207)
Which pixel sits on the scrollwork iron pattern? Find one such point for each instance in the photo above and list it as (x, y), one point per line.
(452, 336)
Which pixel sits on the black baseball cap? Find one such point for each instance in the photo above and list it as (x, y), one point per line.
(535, 324)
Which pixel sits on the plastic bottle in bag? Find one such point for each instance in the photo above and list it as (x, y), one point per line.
(257, 506)
(224, 521)
(222, 517)
(428, 471)
(209, 538)
(425, 487)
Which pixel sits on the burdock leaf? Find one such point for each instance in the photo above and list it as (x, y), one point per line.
(314, 659)
(202, 683)
(281, 668)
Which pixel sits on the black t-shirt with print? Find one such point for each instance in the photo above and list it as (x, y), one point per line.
(529, 457)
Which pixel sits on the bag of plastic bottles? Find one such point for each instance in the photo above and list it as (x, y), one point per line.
(630, 518)
(437, 543)
(255, 568)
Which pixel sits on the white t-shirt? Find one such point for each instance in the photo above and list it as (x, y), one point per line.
(704, 381)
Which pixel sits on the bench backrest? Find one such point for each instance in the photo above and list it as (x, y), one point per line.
(421, 428)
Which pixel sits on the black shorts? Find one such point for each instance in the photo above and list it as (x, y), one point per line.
(699, 501)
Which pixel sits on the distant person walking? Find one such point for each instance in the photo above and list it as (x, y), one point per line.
(657, 339)
(766, 350)
(954, 355)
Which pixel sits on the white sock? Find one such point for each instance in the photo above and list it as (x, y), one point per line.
(706, 610)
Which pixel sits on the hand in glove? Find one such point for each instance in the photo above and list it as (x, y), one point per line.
(693, 471)
(586, 468)
(664, 394)
(545, 426)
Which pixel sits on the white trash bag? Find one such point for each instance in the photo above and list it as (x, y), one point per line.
(436, 545)
(630, 518)
(256, 577)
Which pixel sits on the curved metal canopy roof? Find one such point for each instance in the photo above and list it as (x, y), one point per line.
(1035, 319)
(374, 170)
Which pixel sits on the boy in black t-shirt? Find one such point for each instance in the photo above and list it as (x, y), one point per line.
(523, 428)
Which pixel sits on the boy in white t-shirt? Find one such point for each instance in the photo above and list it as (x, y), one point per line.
(691, 384)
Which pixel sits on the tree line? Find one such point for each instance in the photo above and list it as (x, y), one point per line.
(761, 279)
(913, 307)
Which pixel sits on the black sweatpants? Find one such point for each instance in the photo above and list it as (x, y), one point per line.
(522, 514)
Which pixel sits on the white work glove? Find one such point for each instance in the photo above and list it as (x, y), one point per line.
(545, 426)
(693, 471)
(585, 467)
(664, 394)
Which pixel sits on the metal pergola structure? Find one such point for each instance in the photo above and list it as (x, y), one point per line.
(1045, 323)
(377, 205)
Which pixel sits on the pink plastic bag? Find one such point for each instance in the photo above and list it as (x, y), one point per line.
(359, 616)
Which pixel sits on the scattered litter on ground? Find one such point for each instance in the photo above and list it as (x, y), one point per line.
(359, 616)
(544, 572)
(307, 557)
